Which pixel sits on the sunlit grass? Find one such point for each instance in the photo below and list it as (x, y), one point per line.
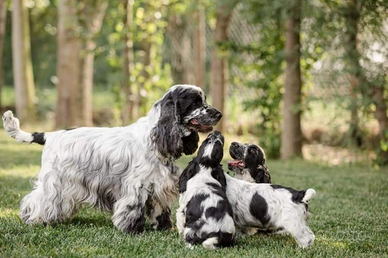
(349, 216)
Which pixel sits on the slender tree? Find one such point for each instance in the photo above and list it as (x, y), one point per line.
(200, 47)
(218, 60)
(128, 62)
(352, 15)
(3, 17)
(68, 65)
(76, 59)
(22, 65)
(371, 92)
(291, 128)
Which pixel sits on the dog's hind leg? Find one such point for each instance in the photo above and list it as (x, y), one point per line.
(45, 204)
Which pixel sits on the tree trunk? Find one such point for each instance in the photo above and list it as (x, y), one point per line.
(68, 65)
(22, 65)
(94, 21)
(381, 116)
(75, 64)
(354, 128)
(3, 18)
(352, 14)
(143, 78)
(200, 48)
(218, 62)
(291, 130)
(128, 63)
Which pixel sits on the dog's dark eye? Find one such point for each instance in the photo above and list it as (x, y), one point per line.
(198, 100)
(253, 150)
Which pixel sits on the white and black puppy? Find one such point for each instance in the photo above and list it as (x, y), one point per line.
(117, 169)
(249, 163)
(205, 215)
(265, 206)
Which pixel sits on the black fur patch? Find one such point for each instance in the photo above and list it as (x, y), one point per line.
(297, 196)
(260, 174)
(190, 171)
(223, 208)
(218, 174)
(38, 138)
(259, 208)
(194, 210)
(190, 143)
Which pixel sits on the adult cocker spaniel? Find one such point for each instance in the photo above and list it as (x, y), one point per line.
(127, 170)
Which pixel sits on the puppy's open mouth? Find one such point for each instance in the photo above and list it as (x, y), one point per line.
(197, 126)
(236, 164)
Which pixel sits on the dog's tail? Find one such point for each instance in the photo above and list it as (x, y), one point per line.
(12, 127)
(310, 193)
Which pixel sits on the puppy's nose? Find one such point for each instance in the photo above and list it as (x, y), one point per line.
(234, 144)
(218, 114)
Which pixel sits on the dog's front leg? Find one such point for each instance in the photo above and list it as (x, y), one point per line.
(128, 214)
(160, 216)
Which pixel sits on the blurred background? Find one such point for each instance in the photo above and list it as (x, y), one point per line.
(301, 78)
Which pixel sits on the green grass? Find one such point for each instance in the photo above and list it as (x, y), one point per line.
(349, 217)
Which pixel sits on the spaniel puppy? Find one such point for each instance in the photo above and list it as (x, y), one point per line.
(270, 208)
(117, 169)
(204, 215)
(249, 163)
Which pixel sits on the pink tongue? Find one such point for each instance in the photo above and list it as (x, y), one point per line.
(236, 163)
(194, 122)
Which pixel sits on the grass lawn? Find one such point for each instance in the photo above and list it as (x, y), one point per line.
(350, 217)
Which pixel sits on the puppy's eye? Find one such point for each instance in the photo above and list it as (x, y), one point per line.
(197, 99)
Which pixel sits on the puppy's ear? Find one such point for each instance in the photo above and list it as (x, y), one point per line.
(218, 174)
(187, 174)
(168, 132)
(261, 175)
(190, 143)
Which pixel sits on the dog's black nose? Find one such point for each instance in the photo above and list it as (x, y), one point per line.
(218, 115)
(234, 144)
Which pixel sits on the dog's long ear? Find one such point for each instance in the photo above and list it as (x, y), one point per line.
(190, 143)
(187, 174)
(261, 174)
(168, 132)
(218, 174)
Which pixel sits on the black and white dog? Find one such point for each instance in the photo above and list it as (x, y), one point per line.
(117, 169)
(205, 215)
(249, 163)
(267, 207)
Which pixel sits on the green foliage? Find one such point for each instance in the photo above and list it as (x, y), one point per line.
(263, 75)
(349, 217)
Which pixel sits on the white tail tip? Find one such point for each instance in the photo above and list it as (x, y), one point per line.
(12, 127)
(210, 243)
(310, 193)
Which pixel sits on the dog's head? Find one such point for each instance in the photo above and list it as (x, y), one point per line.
(209, 155)
(183, 113)
(248, 163)
(211, 151)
